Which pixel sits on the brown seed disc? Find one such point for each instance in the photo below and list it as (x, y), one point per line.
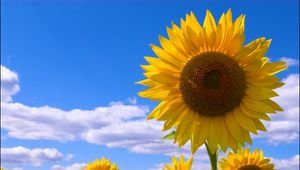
(249, 167)
(212, 84)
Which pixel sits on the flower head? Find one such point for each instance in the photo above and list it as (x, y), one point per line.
(179, 165)
(103, 164)
(244, 160)
(211, 88)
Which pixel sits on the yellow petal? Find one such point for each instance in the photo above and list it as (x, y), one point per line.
(214, 134)
(253, 114)
(244, 121)
(257, 105)
(156, 112)
(197, 139)
(273, 105)
(154, 93)
(183, 132)
(234, 128)
(146, 82)
(260, 93)
(209, 23)
(164, 78)
(173, 122)
(172, 111)
(165, 56)
(224, 134)
(160, 65)
(259, 125)
(266, 81)
(273, 68)
(173, 50)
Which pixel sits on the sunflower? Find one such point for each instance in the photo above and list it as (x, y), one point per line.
(179, 165)
(244, 160)
(211, 88)
(103, 164)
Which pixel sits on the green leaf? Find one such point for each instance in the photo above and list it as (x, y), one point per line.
(169, 136)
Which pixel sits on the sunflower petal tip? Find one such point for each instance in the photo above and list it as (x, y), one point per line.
(141, 94)
(229, 10)
(149, 117)
(208, 11)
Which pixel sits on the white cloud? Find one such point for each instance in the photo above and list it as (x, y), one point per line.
(56, 124)
(290, 61)
(158, 167)
(289, 93)
(287, 164)
(36, 156)
(9, 84)
(132, 100)
(75, 166)
(21, 121)
(125, 134)
(17, 169)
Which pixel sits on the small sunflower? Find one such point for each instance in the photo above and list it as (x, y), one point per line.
(211, 87)
(244, 160)
(103, 164)
(179, 165)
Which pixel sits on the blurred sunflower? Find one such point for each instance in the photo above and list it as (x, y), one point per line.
(179, 165)
(244, 160)
(211, 87)
(103, 164)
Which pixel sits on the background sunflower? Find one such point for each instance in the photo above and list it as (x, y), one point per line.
(103, 164)
(245, 160)
(179, 164)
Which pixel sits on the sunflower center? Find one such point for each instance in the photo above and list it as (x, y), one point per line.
(212, 79)
(249, 167)
(212, 84)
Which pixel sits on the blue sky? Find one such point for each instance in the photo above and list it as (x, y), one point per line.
(71, 57)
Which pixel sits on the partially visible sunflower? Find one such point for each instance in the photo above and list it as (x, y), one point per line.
(103, 164)
(179, 165)
(244, 160)
(211, 87)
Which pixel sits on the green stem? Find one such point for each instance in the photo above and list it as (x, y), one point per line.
(213, 158)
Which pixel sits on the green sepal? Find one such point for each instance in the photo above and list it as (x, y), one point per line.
(169, 136)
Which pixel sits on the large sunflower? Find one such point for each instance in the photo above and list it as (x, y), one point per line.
(211, 87)
(244, 160)
(103, 164)
(179, 165)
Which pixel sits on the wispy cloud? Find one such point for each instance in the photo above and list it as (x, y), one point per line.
(9, 84)
(75, 166)
(290, 61)
(36, 156)
(287, 164)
